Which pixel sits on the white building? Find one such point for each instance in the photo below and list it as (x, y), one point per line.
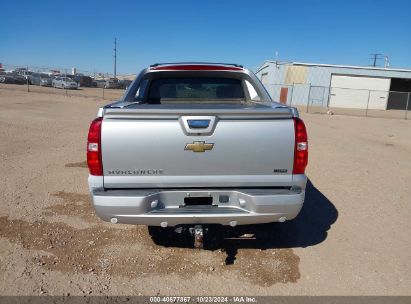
(339, 86)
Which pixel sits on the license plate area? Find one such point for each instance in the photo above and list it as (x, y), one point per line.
(198, 201)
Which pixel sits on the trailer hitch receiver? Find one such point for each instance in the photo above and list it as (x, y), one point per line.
(198, 233)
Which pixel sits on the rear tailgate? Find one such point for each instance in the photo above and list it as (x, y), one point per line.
(160, 147)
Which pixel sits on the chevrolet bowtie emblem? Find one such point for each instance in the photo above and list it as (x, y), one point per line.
(199, 146)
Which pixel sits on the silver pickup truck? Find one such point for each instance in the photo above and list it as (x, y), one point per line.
(190, 145)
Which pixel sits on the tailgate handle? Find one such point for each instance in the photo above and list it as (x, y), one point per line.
(198, 123)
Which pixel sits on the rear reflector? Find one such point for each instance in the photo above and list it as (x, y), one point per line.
(195, 67)
(300, 147)
(94, 148)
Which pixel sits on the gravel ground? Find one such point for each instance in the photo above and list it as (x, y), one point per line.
(351, 238)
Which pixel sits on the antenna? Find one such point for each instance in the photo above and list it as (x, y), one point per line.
(115, 57)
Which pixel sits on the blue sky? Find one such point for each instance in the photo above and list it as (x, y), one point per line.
(80, 33)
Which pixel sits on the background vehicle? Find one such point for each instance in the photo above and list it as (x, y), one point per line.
(3, 76)
(64, 83)
(112, 83)
(123, 84)
(99, 83)
(12, 78)
(68, 76)
(41, 79)
(83, 81)
(196, 144)
(26, 74)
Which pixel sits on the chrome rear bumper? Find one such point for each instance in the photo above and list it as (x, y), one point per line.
(155, 207)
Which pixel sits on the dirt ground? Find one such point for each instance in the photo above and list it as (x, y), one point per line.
(351, 238)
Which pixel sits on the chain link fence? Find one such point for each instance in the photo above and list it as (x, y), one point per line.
(18, 78)
(344, 101)
(97, 93)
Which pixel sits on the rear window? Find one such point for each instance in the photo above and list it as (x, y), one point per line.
(171, 90)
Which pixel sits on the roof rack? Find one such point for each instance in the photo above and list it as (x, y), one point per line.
(207, 63)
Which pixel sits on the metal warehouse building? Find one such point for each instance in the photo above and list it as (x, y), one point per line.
(337, 86)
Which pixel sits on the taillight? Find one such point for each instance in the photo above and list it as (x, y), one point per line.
(301, 147)
(94, 148)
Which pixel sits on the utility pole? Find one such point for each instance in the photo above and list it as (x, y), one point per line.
(276, 66)
(386, 62)
(375, 57)
(115, 57)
